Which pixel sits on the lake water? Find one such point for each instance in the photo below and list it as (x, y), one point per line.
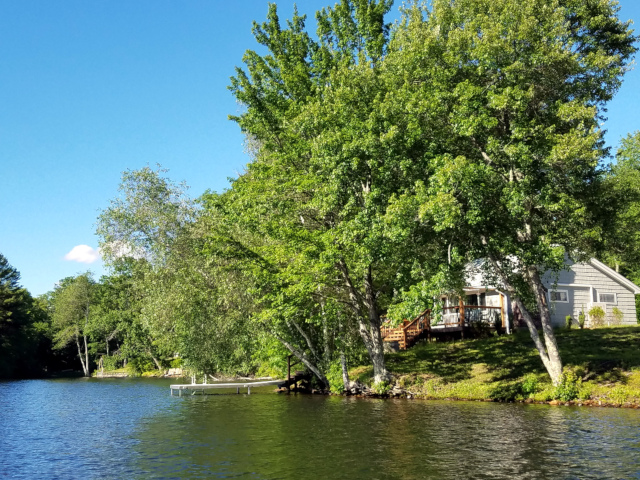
(133, 428)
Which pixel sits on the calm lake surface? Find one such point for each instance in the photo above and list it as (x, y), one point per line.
(133, 428)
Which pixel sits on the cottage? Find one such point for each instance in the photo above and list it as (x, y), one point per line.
(578, 288)
(588, 284)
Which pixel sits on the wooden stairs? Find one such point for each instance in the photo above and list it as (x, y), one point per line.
(408, 332)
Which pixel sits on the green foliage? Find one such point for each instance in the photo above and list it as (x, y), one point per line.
(111, 362)
(581, 318)
(381, 388)
(617, 315)
(334, 375)
(569, 387)
(622, 197)
(597, 316)
(24, 329)
(568, 321)
(516, 143)
(530, 385)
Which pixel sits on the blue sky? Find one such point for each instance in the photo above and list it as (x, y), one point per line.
(89, 89)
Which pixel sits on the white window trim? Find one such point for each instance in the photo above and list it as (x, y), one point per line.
(559, 301)
(615, 298)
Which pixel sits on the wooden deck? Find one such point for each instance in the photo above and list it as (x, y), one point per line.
(455, 319)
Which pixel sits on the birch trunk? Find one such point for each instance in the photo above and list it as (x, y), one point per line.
(306, 361)
(369, 331)
(548, 351)
(554, 362)
(380, 373)
(84, 366)
(343, 361)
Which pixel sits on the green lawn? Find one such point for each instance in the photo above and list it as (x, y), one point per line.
(601, 365)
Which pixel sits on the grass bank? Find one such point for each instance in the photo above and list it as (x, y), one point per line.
(602, 367)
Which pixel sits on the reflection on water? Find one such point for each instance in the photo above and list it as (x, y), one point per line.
(134, 429)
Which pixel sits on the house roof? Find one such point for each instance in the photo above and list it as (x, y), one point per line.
(611, 273)
(474, 276)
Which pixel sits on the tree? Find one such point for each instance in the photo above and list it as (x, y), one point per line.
(21, 329)
(140, 229)
(335, 162)
(509, 95)
(622, 195)
(146, 219)
(73, 301)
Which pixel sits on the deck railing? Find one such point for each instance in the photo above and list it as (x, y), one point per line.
(408, 332)
(471, 314)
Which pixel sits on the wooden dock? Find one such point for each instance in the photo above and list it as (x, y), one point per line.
(201, 387)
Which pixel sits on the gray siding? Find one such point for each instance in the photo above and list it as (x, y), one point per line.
(587, 274)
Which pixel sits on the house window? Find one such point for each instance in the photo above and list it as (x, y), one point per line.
(607, 298)
(559, 296)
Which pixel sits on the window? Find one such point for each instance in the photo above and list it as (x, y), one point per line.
(559, 296)
(607, 298)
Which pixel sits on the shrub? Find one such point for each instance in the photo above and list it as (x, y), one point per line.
(597, 316)
(111, 362)
(569, 388)
(334, 375)
(568, 321)
(529, 386)
(381, 388)
(506, 392)
(618, 316)
(581, 318)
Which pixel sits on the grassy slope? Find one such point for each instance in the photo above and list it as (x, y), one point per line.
(603, 365)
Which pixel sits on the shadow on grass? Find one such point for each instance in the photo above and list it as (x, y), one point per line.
(599, 352)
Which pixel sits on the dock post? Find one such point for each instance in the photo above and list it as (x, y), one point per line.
(238, 390)
(249, 390)
(289, 373)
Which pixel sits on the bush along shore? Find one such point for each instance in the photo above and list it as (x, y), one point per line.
(601, 368)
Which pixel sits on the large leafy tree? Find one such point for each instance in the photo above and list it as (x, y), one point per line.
(138, 234)
(622, 191)
(510, 95)
(186, 300)
(73, 301)
(332, 163)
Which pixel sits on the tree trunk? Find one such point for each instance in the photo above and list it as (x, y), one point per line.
(370, 333)
(554, 365)
(548, 350)
(306, 361)
(86, 357)
(325, 336)
(155, 360)
(380, 373)
(84, 367)
(345, 372)
(343, 359)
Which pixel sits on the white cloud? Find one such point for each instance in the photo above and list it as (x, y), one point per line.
(83, 254)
